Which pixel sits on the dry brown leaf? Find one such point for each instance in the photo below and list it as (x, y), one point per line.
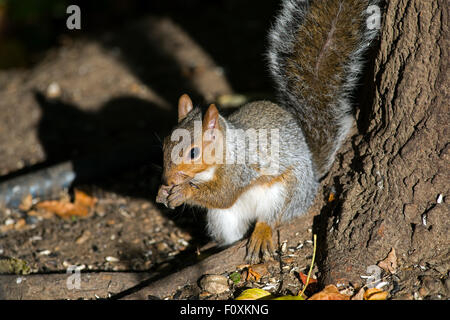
(329, 293)
(83, 199)
(390, 263)
(253, 273)
(375, 294)
(65, 209)
(331, 197)
(304, 277)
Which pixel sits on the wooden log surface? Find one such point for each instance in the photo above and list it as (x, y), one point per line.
(130, 285)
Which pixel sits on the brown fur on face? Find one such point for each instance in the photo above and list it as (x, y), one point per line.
(175, 174)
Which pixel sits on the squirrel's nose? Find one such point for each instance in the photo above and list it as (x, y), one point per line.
(173, 178)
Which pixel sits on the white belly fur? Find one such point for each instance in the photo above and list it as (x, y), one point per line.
(260, 203)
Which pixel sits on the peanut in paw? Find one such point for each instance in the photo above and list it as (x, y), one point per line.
(163, 194)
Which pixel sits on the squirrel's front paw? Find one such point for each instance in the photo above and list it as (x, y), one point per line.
(178, 195)
(260, 244)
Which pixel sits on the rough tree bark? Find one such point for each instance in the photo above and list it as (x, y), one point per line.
(394, 193)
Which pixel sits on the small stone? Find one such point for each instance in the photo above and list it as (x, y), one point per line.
(45, 252)
(53, 90)
(112, 259)
(215, 284)
(283, 247)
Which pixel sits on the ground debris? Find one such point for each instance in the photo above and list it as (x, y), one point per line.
(14, 266)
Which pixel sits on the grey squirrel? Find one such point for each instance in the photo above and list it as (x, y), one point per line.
(315, 52)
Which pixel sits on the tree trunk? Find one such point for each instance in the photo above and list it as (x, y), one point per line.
(392, 178)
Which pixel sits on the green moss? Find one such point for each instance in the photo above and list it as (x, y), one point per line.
(14, 266)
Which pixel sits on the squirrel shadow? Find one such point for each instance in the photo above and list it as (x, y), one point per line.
(127, 127)
(66, 132)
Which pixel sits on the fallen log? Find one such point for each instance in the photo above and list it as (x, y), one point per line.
(130, 285)
(64, 286)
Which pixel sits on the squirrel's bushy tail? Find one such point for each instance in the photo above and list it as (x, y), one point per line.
(315, 53)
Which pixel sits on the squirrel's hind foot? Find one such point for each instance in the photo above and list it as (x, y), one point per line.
(260, 245)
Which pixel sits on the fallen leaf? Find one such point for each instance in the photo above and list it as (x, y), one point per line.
(375, 294)
(253, 273)
(329, 293)
(65, 209)
(289, 298)
(260, 294)
(304, 277)
(389, 264)
(83, 199)
(253, 294)
(331, 197)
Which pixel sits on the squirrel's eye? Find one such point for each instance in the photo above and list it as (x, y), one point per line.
(194, 152)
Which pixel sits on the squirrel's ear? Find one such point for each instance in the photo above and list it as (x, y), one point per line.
(211, 119)
(184, 107)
